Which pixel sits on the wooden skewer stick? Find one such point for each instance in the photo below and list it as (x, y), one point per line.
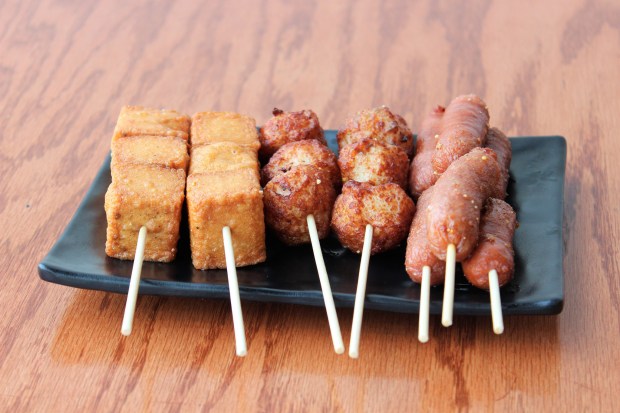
(425, 295)
(134, 284)
(235, 300)
(332, 317)
(496, 303)
(358, 310)
(448, 288)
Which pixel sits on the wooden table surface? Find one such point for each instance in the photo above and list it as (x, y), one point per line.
(66, 68)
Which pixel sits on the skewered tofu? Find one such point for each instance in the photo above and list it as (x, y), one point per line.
(213, 127)
(144, 195)
(164, 151)
(230, 198)
(222, 156)
(138, 120)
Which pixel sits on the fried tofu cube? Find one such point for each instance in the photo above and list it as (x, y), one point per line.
(144, 195)
(164, 151)
(226, 198)
(212, 127)
(138, 120)
(222, 156)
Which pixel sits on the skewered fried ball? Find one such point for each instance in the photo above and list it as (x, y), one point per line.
(380, 124)
(374, 162)
(386, 207)
(306, 152)
(286, 127)
(292, 196)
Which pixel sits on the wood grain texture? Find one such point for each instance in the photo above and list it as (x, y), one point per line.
(68, 66)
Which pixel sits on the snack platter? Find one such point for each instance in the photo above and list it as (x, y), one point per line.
(288, 275)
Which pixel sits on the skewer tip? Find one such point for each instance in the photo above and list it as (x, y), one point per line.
(339, 350)
(423, 338)
(354, 354)
(498, 330)
(126, 331)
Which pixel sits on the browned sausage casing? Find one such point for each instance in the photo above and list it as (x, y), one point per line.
(386, 207)
(421, 176)
(374, 162)
(418, 250)
(500, 144)
(286, 127)
(306, 152)
(458, 197)
(494, 250)
(289, 198)
(464, 127)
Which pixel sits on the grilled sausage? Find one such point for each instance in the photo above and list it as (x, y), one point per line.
(458, 197)
(418, 250)
(494, 250)
(374, 162)
(464, 127)
(421, 176)
(386, 207)
(286, 127)
(500, 144)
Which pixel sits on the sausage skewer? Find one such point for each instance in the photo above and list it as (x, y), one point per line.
(235, 299)
(454, 215)
(422, 266)
(360, 293)
(491, 265)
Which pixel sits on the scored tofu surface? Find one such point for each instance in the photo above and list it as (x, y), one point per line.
(144, 195)
(138, 120)
(222, 156)
(164, 151)
(213, 127)
(227, 198)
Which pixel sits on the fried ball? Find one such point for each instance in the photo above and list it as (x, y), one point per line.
(290, 197)
(380, 124)
(386, 207)
(306, 152)
(286, 127)
(374, 162)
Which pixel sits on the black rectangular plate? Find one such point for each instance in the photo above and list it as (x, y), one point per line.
(289, 275)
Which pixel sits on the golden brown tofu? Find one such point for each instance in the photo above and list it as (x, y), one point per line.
(164, 151)
(227, 198)
(138, 120)
(144, 195)
(212, 127)
(222, 156)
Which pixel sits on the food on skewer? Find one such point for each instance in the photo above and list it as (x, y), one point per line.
(453, 217)
(306, 152)
(380, 124)
(421, 264)
(213, 127)
(286, 127)
(387, 208)
(143, 203)
(292, 196)
(491, 265)
(372, 161)
(299, 198)
(139, 121)
(225, 201)
(421, 174)
(464, 127)
(500, 144)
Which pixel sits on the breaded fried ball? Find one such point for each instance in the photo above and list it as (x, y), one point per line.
(290, 197)
(386, 207)
(286, 127)
(374, 162)
(307, 152)
(380, 124)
